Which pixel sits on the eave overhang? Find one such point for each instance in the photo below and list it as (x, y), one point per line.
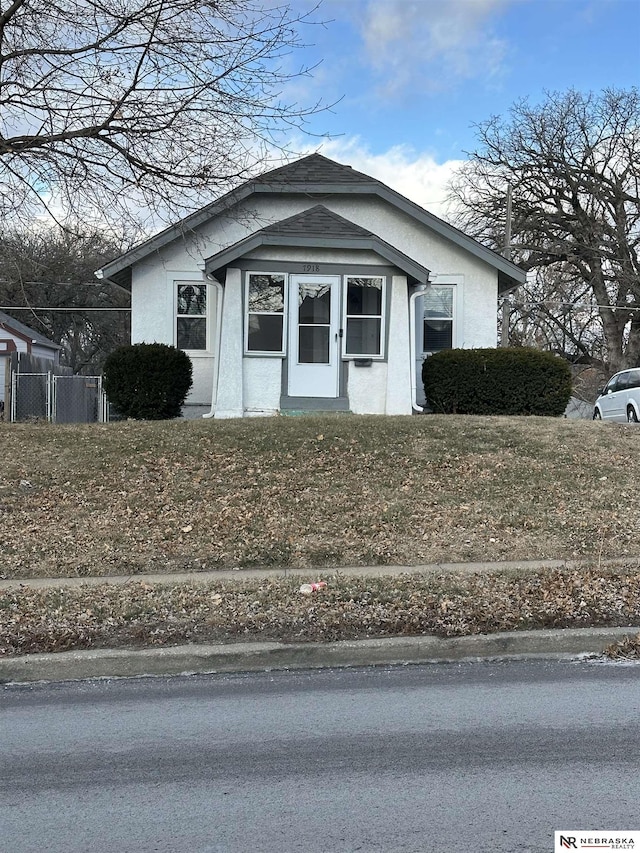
(416, 273)
(510, 276)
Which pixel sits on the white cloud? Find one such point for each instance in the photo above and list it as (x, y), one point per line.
(415, 175)
(432, 43)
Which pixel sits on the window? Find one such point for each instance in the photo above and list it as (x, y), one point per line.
(265, 313)
(439, 303)
(364, 316)
(191, 320)
(613, 384)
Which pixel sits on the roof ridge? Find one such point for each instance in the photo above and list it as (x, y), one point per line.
(313, 168)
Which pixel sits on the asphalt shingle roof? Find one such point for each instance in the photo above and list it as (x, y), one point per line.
(314, 169)
(316, 220)
(314, 174)
(19, 327)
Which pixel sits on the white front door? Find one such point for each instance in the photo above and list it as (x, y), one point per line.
(314, 315)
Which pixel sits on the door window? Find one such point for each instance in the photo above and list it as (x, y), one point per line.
(314, 323)
(634, 379)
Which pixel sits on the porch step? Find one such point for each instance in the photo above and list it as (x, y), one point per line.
(315, 405)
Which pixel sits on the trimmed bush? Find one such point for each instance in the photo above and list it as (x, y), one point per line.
(148, 382)
(497, 382)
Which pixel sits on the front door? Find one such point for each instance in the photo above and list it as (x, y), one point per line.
(314, 314)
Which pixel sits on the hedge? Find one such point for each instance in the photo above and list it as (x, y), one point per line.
(147, 381)
(517, 381)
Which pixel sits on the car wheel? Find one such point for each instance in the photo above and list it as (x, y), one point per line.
(632, 418)
(596, 415)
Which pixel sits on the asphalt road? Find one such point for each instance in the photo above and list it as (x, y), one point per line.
(471, 757)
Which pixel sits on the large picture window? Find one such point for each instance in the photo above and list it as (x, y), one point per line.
(265, 301)
(191, 316)
(439, 302)
(364, 316)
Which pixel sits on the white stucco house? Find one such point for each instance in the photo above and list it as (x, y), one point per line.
(312, 287)
(16, 337)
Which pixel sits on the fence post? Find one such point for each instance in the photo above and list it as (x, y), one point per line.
(49, 396)
(102, 403)
(13, 396)
(8, 372)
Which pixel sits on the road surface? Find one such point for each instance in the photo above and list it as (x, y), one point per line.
(475, 757)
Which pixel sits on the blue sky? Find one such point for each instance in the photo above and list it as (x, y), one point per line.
(415, 75)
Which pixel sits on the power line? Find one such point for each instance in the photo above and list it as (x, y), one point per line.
(46, 308)
(576, 305)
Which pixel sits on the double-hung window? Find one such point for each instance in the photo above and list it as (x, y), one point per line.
(191, 315)
(439, 306)
(364, 316)
(265, 312)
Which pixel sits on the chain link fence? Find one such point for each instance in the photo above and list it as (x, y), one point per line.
(58, 399)
(30, 396)
(77, 400)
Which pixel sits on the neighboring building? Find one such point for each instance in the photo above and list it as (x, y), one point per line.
(16, 337)
(312, 287)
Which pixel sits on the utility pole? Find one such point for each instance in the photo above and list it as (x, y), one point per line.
(506, 252)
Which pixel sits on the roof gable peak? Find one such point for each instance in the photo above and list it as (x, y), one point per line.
(316, 220)
(313, 169)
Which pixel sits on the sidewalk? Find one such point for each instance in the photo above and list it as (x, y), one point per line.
(349, 571)
(260, 656)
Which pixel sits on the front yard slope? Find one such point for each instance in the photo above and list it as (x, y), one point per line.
(133, 497)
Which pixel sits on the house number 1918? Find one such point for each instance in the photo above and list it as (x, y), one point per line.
(311, 267)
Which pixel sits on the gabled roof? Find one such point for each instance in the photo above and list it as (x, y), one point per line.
(24, 332)
(315, 169)
(316, 174)
(317, 220)
(318, 227)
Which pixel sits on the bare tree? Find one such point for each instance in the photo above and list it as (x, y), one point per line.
(574, 166)
(48, 274)
(127, 105)
(556, 311)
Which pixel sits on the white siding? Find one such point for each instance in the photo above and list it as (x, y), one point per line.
(382, 388)
(262, 385)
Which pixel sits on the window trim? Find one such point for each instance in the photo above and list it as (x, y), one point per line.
(454, 288)
(206, 316)
(349, 356)
(284, 313)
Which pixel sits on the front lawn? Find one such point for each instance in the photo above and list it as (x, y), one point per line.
(132, 497)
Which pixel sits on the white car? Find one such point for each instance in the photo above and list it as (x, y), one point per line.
(619, 400)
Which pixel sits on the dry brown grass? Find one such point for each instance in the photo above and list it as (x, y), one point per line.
(134, 497)
(626, 649)
(141, 614)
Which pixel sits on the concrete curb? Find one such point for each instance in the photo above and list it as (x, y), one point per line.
(349, 571)
(255, 657)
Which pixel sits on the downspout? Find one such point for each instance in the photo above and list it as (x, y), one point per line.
(413, 354)
(214, 388)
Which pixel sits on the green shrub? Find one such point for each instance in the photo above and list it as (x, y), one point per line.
(147, 381)
(497, 382)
